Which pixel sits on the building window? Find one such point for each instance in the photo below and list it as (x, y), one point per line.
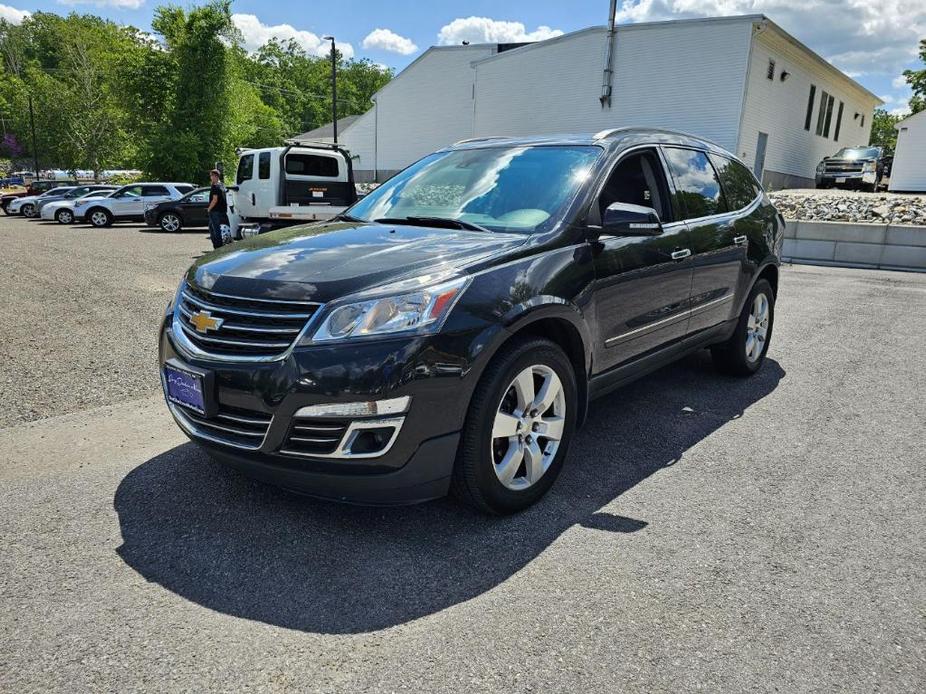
(770, 73)
(821, 116)
(838, 122)
(807, 119)
(863, 120)
(829, 116)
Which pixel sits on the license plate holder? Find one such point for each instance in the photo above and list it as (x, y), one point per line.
(840, 179)
(189, 387)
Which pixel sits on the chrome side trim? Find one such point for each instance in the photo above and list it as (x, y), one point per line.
(342, 452)
(611, 341)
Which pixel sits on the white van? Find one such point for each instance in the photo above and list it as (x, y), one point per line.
(281, 186)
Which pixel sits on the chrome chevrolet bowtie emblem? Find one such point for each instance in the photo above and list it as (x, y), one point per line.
(204, 322)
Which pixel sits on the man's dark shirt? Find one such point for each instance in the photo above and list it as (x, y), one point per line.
(221, 205)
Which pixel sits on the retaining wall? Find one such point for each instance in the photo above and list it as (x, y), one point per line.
(848, 244)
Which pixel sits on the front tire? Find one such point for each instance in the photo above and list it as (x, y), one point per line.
(521, 419)
(744, 353)
(170, 223)
(28, 211)
(100, 218)
(64, 217)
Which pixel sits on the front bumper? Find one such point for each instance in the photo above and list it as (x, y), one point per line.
(417, 464)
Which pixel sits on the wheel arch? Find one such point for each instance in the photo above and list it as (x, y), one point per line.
(562, 323)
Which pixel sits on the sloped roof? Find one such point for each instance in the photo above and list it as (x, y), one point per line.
(326, 130)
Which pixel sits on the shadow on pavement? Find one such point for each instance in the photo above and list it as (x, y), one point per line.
(236, 546)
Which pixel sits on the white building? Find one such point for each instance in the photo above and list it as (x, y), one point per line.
(739, 81)
(908, 172)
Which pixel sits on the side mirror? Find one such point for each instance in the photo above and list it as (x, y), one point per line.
(624, 219)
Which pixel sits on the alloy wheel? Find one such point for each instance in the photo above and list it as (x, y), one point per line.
(757, 327)
(529, 425)
(170, 222)
(28, 211)
(99, 219)
(65, 217)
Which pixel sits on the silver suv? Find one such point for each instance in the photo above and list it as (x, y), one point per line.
(128, 204)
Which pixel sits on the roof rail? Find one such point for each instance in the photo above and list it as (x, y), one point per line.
(312, 143)
(608, 132)
(479, 139)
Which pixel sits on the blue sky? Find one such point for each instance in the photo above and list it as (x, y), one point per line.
(872, 40)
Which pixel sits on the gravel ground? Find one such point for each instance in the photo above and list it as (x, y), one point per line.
(82, 312)
(835, 205)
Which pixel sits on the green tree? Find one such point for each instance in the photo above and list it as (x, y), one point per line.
(917, 81)
(883, 132)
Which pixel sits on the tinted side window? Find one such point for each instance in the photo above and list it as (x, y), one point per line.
(263, 165)
(245, 168)
(184, 189)
(697, 190)
(151, 191)
(739, 185)
(311, 165)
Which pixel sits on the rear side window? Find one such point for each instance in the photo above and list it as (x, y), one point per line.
(183, 189)
(739, 185)
(311, 165)
(245, 168)
(263, 165)
(697, 190)
(151, 191)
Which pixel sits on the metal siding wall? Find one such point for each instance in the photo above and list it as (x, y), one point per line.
(427, 107)
(686, 77)
(909, 170)
(358, 139)
(779, 109)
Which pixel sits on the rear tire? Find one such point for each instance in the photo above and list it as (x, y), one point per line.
(744, 353)
(64, 217)
(100, 217)
(521, 419)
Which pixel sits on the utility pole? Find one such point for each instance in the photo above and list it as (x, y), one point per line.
(334, 88)
(35, 151)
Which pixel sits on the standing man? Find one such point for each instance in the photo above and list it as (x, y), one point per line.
(218, 209)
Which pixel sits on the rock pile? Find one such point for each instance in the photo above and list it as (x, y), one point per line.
(850, 206)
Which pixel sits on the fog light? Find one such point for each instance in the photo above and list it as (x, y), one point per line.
(371, 440)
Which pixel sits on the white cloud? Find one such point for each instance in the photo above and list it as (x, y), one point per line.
(901, 111)
(858, 36)
(485, 30)
(13, 15)
(118, 4)
(886, 98)
(386, 40)
(256, 34)
(899, 82)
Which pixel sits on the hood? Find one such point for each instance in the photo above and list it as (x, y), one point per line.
(328, 261)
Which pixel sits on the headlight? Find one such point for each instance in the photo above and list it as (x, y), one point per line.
(820, 167)
(419, 311)
(868, 166)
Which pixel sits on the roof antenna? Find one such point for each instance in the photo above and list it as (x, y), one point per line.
(608, 76)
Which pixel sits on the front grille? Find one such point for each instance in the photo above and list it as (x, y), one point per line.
(252, 327)
(314, 436)
(232, 425)
(843, 167)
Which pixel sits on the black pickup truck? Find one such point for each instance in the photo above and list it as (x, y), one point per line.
(855, 167)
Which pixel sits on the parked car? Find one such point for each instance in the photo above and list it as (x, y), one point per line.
(128, 203)
(72, 194)
(34, 188)
(855, 167)
(62, 211)
(26, 206)
(188, 211)
(448, 331)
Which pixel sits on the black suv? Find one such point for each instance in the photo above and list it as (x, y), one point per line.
(855, 167)
(173, 215)
(449, 330)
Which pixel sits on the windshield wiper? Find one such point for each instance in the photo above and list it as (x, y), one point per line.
(347, 218)
(447, 222)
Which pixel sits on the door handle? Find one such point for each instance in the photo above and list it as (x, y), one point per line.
(740, 240)
(682, 254)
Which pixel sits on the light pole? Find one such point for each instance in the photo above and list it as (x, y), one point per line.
(334, 88)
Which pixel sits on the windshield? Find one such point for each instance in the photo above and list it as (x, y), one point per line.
(857, 153)
(506, 189)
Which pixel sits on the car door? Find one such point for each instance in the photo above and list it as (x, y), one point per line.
(193, 208)
(717, 251)
(642, 283)
(126, 202)
(245, 199)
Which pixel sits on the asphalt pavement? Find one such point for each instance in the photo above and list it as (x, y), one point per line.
(707, 533)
